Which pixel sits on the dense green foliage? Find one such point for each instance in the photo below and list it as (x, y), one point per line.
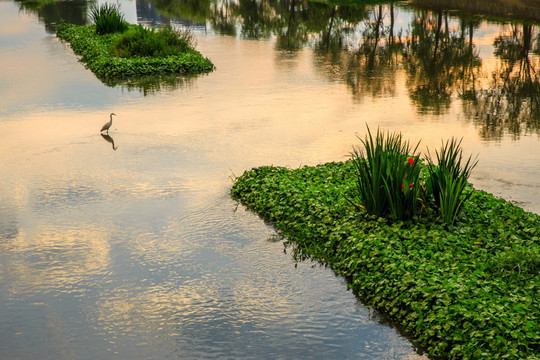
(448, 179)
(108, 19)
(95, 52)
(390, 182)
(141, 41)
(387, 176)
(468, 291)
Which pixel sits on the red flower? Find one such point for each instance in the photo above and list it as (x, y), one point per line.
(410, 186)
(411, 161)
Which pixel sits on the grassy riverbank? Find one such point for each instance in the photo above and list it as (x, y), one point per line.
(467, 291)
(96, 53)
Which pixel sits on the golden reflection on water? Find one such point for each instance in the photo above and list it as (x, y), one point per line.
(54, 259)
(148, 231)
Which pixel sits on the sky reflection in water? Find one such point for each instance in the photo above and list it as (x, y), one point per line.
(140, 252)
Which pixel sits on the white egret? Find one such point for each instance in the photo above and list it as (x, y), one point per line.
(107, 125)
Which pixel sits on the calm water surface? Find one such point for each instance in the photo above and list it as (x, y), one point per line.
(134, 250)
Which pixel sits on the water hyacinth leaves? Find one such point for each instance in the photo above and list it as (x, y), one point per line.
(448, 179)
(387, 181)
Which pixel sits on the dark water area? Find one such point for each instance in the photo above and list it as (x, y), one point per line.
(130, 247)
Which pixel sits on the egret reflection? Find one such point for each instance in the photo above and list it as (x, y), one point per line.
(109, 139)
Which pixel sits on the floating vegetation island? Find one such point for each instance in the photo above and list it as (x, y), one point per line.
(96, 53)
(114, 49)
(462, 289)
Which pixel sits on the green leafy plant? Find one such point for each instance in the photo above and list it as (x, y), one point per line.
(140, 41)
(387, 181)
(95, 52)
(448, 179)
(108, 19)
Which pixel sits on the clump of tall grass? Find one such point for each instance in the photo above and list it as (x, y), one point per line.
(387, 181)
(139, 41)
(449, 178)
(108, 19)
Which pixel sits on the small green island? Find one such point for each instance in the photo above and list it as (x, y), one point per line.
(113, 49)
(458, 272)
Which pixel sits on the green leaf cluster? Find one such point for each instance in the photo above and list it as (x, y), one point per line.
(388, 181)
(143, 42)
(460, 292)
(108, 19)
(448, 179)
(95, 52)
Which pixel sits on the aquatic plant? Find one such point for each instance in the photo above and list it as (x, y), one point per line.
(387, 180)
(449, 178)
(108, 19)
(390, 183)
(163, 42)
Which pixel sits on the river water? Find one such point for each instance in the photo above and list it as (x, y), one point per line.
(134, 249)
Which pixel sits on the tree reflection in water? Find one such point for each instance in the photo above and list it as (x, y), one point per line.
(291, 33)
(440, 59)
(372, 67)
(194, 10)
(369, 47)
(154, 84)
(52, 12)
(511, 103)
(222, 18)
(362, 46)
